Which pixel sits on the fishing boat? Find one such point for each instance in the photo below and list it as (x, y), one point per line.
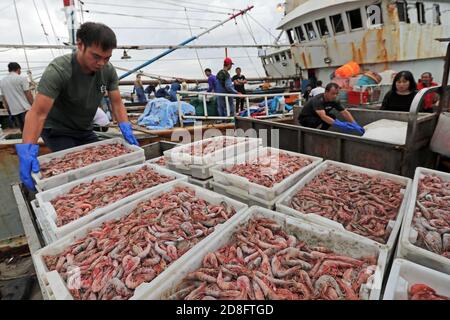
(378, 35)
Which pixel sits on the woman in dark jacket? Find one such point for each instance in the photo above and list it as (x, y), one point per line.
(401, 96)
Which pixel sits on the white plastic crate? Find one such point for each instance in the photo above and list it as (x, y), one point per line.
(243, 197)
(198, 166)
(283, 204)
(201, 183)
(254, 189)
(56, 286)
(49, 213)
(155, 160)
(42, 223)
(341, 243)
(408, 236)
(135, 157)
(404, 274)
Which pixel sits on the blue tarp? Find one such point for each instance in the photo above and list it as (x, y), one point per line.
(161, 114)
(272, 104)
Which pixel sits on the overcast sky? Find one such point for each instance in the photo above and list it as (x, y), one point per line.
(166, 15)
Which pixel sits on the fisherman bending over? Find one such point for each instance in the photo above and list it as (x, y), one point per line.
(317, 112)
(69, 93)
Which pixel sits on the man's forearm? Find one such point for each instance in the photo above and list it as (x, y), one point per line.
(327, 119)
(29, 97)
(5, 103)
(120, 113)
(34, 122)
(348, 116)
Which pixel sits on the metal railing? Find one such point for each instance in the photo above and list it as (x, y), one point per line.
(229, 116)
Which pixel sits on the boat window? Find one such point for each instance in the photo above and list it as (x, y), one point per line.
(436, 14)
(283, 56)
(289, 55)
(374, 15)
(267, 60)
(300, 34)
(337, 23)
(402, 9)
(355, 19)
(271, 60)
(277, 58)
(290, 36)
(322, 27)
(310, 31)
(420, 12)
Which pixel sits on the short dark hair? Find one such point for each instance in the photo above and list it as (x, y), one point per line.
(331, 85)
(408, 77)
(319, 83)
(428, 73)
(239, 69)
(13, 66)
(208, 70)
(99, 34)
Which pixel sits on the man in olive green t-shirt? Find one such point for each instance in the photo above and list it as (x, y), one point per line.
(69, 93)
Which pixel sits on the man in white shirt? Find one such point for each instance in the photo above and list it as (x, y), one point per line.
(317, 90)
(17, 96)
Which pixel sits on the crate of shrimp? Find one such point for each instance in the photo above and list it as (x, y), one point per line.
(264, 172)
(265, 255)
(367, 203)
(425, 234)
(122, 252)
(75, 204)
(65, 166)
(160, 161)
(410, 281)
(197, 158)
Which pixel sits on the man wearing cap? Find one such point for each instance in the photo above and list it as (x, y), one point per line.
(225, 85)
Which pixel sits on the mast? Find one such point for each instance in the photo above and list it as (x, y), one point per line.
(126, 74)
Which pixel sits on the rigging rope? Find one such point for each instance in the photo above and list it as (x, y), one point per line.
(197, 10)
(259, 24)
(246, 51)
(137, 16)
(58, 40)
(43, 28)
(196, 52)
(23, 42)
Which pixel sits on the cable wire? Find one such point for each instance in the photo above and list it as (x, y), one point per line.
(58, 40)
(137, 16)
(21, 37)
(246, 51)
(151, 8)
(43, 28)
(196, 52)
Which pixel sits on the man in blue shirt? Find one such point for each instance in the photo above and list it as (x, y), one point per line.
(225, 85)
(162, 92)
(212, 81)
(174, 88)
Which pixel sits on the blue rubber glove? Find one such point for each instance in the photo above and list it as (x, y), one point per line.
(28, 162)
(127, 132)
(347, 127)
(358, 128)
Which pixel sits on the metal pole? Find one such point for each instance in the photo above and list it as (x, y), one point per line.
(266, 106)
(248, 106)
(180, 113)
(205, 107)
(185, 42)
(227, 103)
